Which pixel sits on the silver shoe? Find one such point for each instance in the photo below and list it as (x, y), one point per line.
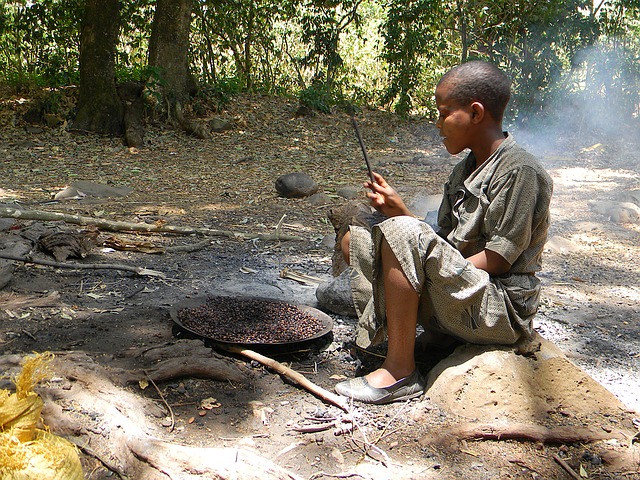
(359, 389)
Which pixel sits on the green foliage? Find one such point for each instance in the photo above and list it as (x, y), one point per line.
(39, 42)
(317, 97)
(381, 53)
(413, 34)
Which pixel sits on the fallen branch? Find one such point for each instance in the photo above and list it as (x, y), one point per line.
(298, 378)
(84, 266)
(113, 225)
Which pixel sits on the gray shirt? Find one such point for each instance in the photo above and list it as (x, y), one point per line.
(502, 206)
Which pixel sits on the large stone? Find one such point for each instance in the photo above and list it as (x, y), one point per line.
(81, 189)
(320, 199)
(349, 192)
(617, 212)
(503, 384)
(296, 185)
(220, 125)
(335, 295)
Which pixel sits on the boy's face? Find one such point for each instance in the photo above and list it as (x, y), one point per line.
(454, 121)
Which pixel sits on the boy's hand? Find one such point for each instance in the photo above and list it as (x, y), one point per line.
(385, 199)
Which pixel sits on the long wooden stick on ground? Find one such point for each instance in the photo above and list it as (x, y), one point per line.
(113, 225)
(85, 266)
(337, 400)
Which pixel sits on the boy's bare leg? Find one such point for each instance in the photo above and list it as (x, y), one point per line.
(402, 314)
(344, 246)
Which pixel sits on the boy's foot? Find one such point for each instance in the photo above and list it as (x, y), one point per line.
(404, 389)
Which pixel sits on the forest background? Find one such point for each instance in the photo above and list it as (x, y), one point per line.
(192, 56)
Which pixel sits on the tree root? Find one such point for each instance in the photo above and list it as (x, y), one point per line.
(198, 367)
(524, 431)
(618, 459)
(113, 425)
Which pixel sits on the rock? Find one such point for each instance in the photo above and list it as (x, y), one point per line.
(618, 212)
(81, 189)
(348, 192)
(6, 224)
(354, 212)
(220, 125)
(335, 295)
(33, 130)
(632, 196)
(558, 244)
(495, 383)
(328, 241)
(6, 273)
(426, 206)
(319, 199)
(296, 185)
(16, 246)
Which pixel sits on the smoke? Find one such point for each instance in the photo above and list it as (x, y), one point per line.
(597, 99)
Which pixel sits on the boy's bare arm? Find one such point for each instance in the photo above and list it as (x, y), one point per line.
(491, 262)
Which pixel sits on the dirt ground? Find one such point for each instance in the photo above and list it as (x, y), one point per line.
(590, 304)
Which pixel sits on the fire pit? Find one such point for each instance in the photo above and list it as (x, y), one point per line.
(251, 321)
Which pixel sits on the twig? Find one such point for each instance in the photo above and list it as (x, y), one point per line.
(300, 277)
(313, 428)
(337, 400)
(279, 225)
(367, 447)
(566, 466)
(84, 266)
(29, 335)
(384, 430)
(522, 463)
(362, 147)
(173, 418)
(291, 447)
(338, 475)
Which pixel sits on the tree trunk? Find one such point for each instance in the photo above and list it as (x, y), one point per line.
(168, 53)
(99, 107)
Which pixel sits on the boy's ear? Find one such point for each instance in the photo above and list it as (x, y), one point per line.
(477, 112)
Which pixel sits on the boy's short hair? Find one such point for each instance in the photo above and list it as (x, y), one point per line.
(482, 82)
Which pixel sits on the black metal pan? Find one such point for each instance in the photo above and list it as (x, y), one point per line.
(272, 346)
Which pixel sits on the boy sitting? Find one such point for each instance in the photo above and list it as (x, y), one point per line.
(475, 279)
